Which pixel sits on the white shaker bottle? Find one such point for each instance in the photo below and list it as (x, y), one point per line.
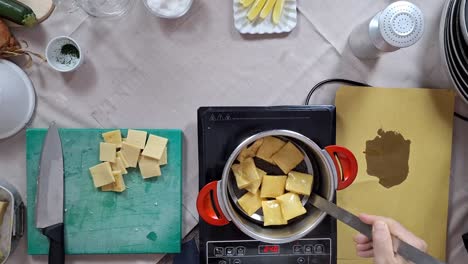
(400, 25)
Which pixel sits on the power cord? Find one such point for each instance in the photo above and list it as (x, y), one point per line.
(354, 83)
(464, 118)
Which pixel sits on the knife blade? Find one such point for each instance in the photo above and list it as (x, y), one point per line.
(49, 197)
(403, 249)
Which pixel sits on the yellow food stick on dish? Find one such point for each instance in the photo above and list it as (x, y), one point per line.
(249, 170)
(255, 9)
(288, 157)
(300, 183)
(267, 8)
(113, 137)
(239, 175)
(124, 161)
(149, 167)
(3, 208)
(272, 186)
(278, 12)
(254, 186)
(291, 206)
(272, 214)
(131, 154)
(107, 152)
(102, 174)
(246, 3)
(270, 146)
(155, 147)
(119, 166)
(163, 160)
(250, 202)
(136, 138)
(117, 186)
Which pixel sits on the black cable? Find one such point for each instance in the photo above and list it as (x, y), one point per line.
(464, 118)
(322, 83)
(355, 83)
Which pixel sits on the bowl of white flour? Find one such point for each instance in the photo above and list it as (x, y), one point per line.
(168, 8)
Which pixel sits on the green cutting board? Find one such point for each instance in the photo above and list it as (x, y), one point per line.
(146, 218)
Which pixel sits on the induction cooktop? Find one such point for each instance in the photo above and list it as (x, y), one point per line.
(220, 130)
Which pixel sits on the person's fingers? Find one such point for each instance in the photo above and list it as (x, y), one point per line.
(382, 243)
(366, 254)
(364, 247)
(396, 229)
(368, 219)
(403, 234)
(371, 219)
(361, 239)
(400, 259)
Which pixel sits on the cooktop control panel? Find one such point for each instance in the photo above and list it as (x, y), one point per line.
(303, 251)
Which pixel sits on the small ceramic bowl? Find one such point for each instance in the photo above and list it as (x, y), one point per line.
(167, 13)
(61, 56)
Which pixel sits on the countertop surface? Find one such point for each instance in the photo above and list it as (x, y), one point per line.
(145, 72)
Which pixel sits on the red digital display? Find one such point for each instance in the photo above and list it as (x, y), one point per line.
(269, 249)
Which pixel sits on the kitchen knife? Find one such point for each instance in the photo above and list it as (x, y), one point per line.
(49, 198)
(403, 249)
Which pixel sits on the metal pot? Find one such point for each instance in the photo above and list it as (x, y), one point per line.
(221, 210)
(12, 228)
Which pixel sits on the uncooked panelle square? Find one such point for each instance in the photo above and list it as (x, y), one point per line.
(272, 214)
(288, 157)
(272, 186)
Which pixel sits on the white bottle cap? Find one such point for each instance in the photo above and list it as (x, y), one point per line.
(401, 24)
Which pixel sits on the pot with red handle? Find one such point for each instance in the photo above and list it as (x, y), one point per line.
(334, 168)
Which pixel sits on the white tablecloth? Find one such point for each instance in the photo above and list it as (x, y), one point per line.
(142, 71)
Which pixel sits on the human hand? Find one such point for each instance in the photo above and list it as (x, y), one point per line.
(381, 247)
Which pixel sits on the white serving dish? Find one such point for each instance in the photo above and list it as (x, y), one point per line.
(17, 99)
(244, 26)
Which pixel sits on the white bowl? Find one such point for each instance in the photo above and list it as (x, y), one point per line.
(17, 99)
(59, 62)
(162, 15)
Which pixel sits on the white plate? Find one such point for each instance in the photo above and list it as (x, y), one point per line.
(17, 99)
(287, 23)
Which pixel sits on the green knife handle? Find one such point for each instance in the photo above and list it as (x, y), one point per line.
(57, 243)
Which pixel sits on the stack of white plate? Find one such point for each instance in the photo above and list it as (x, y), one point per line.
(454, 43)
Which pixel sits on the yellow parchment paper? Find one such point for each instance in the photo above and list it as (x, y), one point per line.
(420, 202)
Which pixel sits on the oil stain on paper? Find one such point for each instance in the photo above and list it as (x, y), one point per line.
(387, 157)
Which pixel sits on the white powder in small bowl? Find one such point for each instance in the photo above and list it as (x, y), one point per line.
(169, 8)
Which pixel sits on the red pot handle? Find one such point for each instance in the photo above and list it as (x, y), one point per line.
(205, 206)
(348, 170)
